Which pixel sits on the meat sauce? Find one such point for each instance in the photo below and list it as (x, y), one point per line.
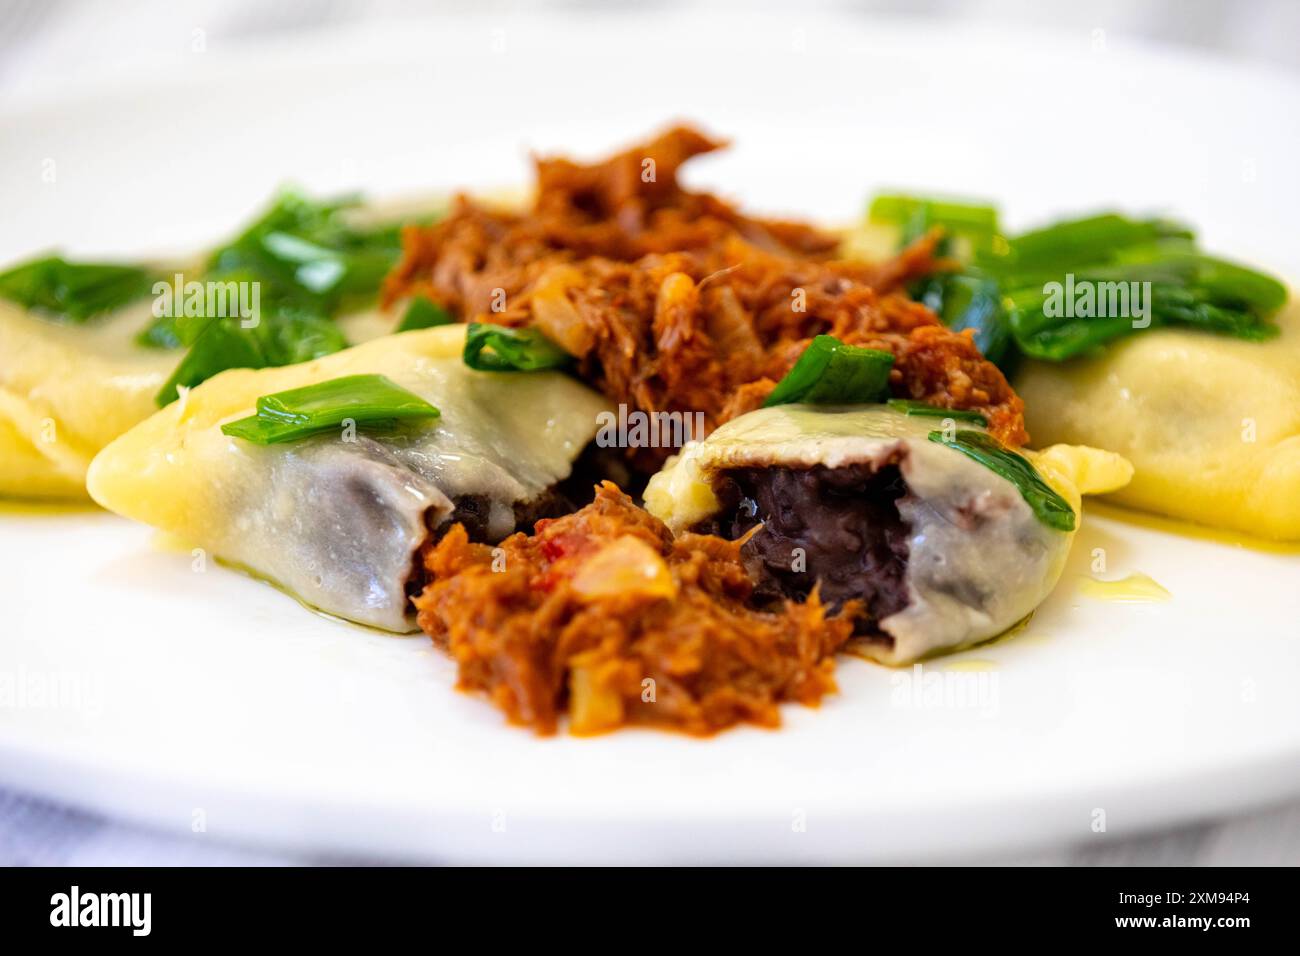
(674, 300)
(605, 615)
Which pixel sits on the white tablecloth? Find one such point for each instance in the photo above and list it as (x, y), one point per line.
(36, 833)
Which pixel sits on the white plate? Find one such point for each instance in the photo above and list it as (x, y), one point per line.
(206, 701)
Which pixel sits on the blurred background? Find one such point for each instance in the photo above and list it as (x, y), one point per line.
(47, 42)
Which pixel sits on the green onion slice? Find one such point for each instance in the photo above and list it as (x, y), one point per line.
(322, 406)
(917, 214)
(496, 348)
(74, 291)
(832, 373)
(1048, 506)
(285, 336)
(1001, 289)
(221, 345)
(310, 263)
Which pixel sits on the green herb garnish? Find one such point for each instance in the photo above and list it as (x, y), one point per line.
(300, 412)
(921, 410)
(1048, 506)
(964, 300)
(832, 373)
(977, 222)
(496, 348)
(283, 336)
(423, 313)
(976, 303)
(309, 264)
(307, 251)
(74, 291)
(222, 344)
(1065, 245)
(305, 259)
(1002, 289)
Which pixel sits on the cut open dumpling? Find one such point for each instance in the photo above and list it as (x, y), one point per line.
(337, 518)
(939, 550)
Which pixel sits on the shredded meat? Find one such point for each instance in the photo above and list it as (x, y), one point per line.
(673, 300)
(604, 614)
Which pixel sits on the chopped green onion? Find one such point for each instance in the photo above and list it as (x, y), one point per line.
(1061, 340)
(165, 332)
(322, 406)
(1229, 282)
(496, 348)
(293, 336)
(284, 336)
(921, 410)
(1000, 292)
(1056, 338)
(972, 302)
(423, 313)
(1047, 505)
(360, 397)
(309, 263)
(1063, 246)
(916, 215)
(832, 373)
(221, 345)
(307, 252)
(74, 291)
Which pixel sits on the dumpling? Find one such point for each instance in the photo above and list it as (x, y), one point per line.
(339, 522)
(941, 550)
(66, 391)
(1211, 424)
(74, 375)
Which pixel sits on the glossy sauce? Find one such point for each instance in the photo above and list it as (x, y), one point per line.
(1137, 588)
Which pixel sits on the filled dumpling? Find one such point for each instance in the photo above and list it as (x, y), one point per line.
(1211, 424)
(66, 392)
(88, 349)
(337, 518)
(932, 549)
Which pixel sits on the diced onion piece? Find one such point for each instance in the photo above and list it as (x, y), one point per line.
(594, 706)
(556, 316)
(732, 331)
(627, 566)
(675, 307)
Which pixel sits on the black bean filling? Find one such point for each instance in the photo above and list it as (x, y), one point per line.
(562, 498)
(839, 527)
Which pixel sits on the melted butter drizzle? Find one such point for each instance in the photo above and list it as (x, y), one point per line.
(1137, 588)
(1184, 529)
